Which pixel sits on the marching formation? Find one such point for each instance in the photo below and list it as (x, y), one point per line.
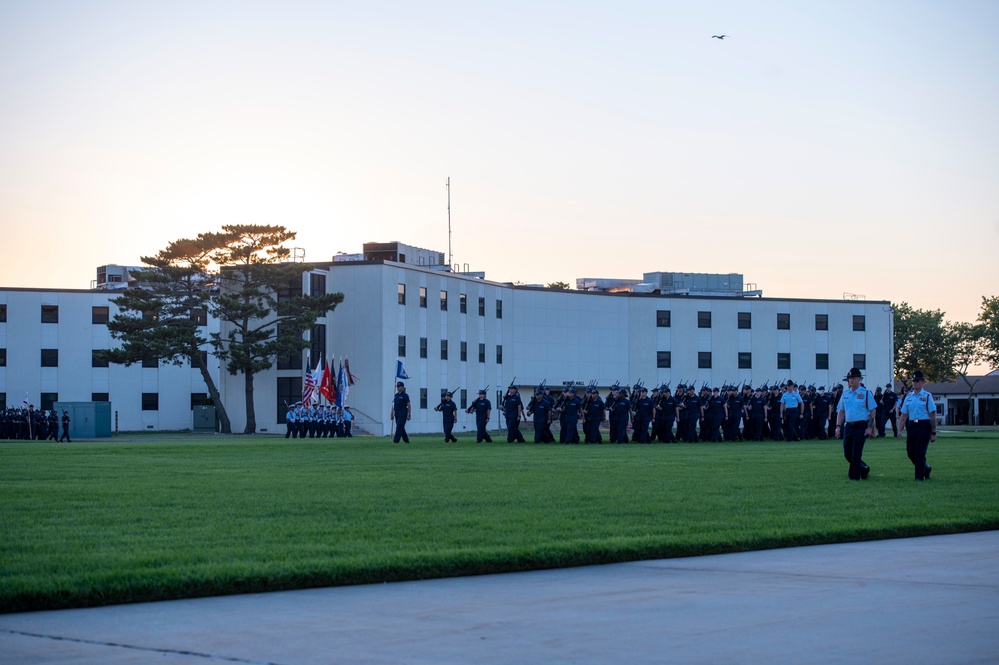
(318, 421)
(27, 423)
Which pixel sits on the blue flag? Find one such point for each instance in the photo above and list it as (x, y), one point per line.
(400, 371)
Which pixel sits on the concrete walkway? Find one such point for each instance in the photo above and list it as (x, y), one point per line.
(918, 600)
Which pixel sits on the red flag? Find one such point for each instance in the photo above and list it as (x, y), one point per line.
(326, 386)
(350, 377)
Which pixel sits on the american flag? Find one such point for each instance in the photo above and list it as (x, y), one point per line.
(310, 391)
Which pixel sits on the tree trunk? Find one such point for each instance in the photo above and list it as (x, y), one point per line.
(251, 416)
(213, 392)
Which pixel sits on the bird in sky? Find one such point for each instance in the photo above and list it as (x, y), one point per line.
(718, 36)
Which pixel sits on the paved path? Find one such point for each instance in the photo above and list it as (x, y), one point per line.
(918, 600)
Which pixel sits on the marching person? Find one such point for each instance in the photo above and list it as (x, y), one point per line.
(919, 420)
(513, 411)
(855, 422)
(65, 427)
(483, 409)
(791, 407)
(402, 411)
(449, 414)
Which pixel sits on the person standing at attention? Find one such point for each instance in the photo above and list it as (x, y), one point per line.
(855, 422)
(919, 420)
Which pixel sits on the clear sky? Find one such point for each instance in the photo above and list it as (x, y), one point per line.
(821, 148)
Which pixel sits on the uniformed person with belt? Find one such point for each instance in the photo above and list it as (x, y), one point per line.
(919, 420)
(855, 422)
(483, 409)
(402, 411)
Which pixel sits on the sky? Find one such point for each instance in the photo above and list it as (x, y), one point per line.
(820, 149)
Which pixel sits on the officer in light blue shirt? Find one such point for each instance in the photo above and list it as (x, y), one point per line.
(919, 420)
(855, 422)
(791, 406)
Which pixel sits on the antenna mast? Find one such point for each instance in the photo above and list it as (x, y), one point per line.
(449, 221)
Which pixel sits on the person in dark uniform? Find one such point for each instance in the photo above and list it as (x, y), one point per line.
(594, 415)
(643, 416)
(620, 416)
(889, 401)
(695, 413)
(855, 422)
(541, 412)
(612, 414)
(836, 394)
(919, 420)
(774, 415)
(733, 420)
(757, 415)
(665, 415)
(402, 410)
(717, 411)
(513, 411)
(53, 425)
(449, 414)
(821, 406)
(65, 427)
(879, 415)
(483, 409)
(569, 417)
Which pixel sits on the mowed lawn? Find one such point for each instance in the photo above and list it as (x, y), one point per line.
(153, 517)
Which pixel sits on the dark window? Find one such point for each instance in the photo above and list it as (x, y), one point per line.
(482, 306)
(317, 284)
(423, 398)
(200, 316)
(50, 357)
(200, 399)
(423, 347)
(783, 361)
(482, 353)
(821, 361)
(292, 360)
(289, 391)
(3, 357)
(745, 320)
(402, 346)
(662, 318)
(499, 354)
(100, 316)
(97, 358)
(822, 322)
(50, 313)
(859, 322)
(293, 290)
(783, 322)
(3, 313)
(745, 360)
(48, 401)
(464, 398)
(704, 319)
(443, 349)
(860, 360)
(150, 362)
(704, 360)
(499, 309)
(464, 351)
(462, 303)
(100, 397)
(318, 342)
(3, 400)
(443, 301)
(150, 401)
(423, 296)
(402, 294)
(204, 358)
(664, 359)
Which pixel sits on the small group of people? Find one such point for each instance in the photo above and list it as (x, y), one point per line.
(27, 423)
(318, 421)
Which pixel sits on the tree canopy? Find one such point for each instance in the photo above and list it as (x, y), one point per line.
(922, 342)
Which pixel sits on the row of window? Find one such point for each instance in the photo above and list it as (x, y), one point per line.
(100, 315)
(664, 360)
(462, 301)
(745, 320)
(462, 352)
(50, 358)
(150, 401)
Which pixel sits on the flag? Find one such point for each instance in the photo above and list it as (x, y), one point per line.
(400, 371)
(316, 375)
(24, 404)
(310, 387)
(326, 386)
(342, 388)
(351, 379)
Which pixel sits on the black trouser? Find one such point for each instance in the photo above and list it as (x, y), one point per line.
(791, 424)
(400, 428)
(513, 429)
(884, 421)
(854, 437)
(448, 427)
(917, 440)
(65, 435)
(480, 430)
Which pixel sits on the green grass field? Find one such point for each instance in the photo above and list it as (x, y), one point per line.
(153, 517)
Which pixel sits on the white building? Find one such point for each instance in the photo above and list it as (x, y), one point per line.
(452, 331)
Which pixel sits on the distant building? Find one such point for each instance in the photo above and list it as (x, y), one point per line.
(952, 399)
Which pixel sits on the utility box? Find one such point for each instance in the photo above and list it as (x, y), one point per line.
(204, 418)
(87, 420)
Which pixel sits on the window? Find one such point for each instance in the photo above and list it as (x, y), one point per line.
(3, 357)
(783, 361)
(664, 359)
(499, 354)
(745, 320)
(293, 290)
(662, 318)
(200, 399)
(100, 316)
(402, 346)
(443, 301)
(704, 319)
(704, 360)
(291, 361)
(822, 322)
(317, 347)
(423, 297)
(97, 358)
(482, 306)
(200, 316)
(289, 391)
(402, 294)
(317, 284)
(423, 347)
(499, 309)
(860, 360)
(821, 361)
(150, 401)
(745, 360)
(50, 313)
(464, 398)
(462, 303)
(443, 349)
(783, 322)
(464, 351)
(3, 400)
(50, 357)
(3, 313)
(150, 362)
(859, 322)
(48, 401)
(423, 398)
(100, 397)
(482, 353)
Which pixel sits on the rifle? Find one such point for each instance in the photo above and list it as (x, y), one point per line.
(512, 383)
